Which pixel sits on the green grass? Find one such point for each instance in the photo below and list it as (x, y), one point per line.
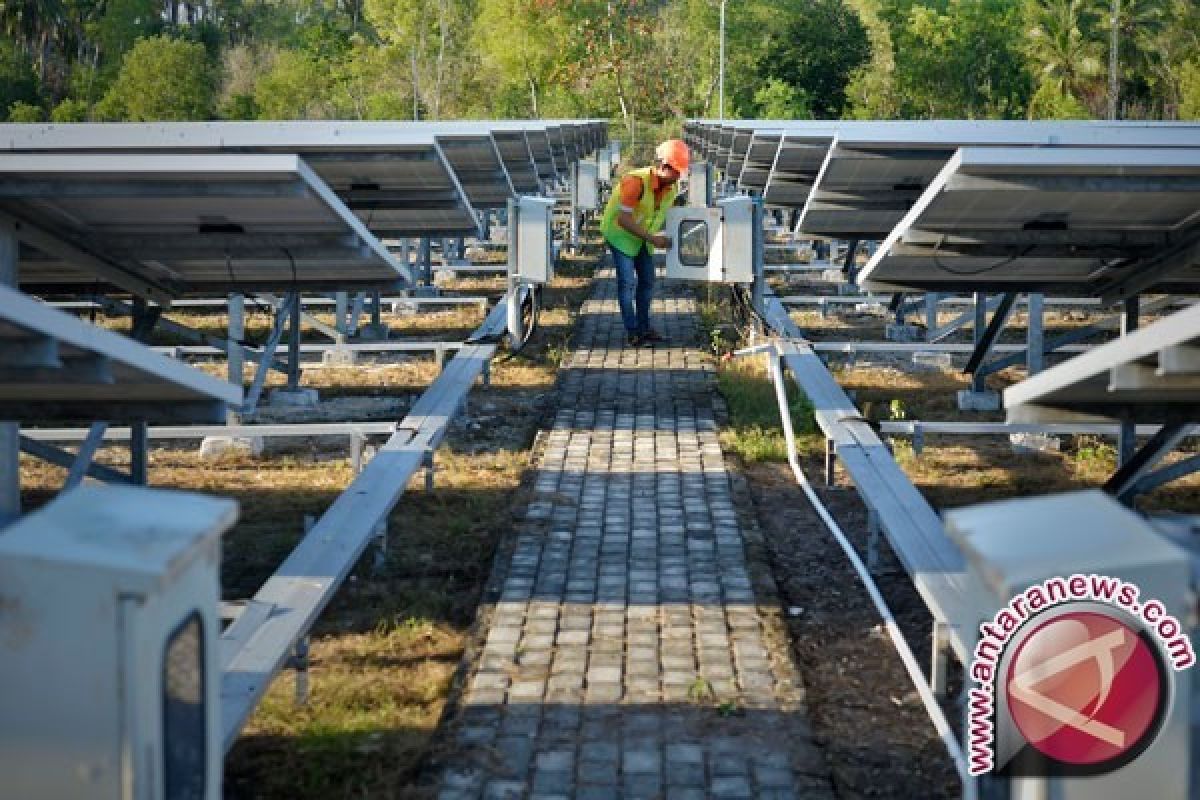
(755, 431)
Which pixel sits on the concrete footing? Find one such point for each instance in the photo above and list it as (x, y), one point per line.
(902, 333)
(294, 398)
(372, 332)
(338, 357)
(1032, 443)
(932, 360)
(978, 401)
(217, 446)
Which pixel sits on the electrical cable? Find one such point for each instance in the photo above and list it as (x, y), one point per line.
(968, 272)
(915, 674)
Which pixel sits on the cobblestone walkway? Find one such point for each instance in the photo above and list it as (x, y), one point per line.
(632, 646)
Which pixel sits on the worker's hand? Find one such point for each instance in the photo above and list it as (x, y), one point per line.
(661, 241)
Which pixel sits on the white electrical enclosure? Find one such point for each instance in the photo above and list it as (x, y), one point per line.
(715, 245)
(108, 646)
(699, 193)
(1011, 545)
(534, 239)
(604, 165)
(587, 188)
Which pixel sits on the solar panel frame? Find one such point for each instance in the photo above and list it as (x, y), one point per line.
(1151, 375)
(188, 223)
(999, 214)
(82, 372)
(369, 164)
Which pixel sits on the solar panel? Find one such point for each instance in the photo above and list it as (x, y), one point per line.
(759, 158)
(1151, 375)
(58, 368)
(518, 160)
(1078, 220)
(875, 171)
(798, 159)
(184, 223)
(393, 175)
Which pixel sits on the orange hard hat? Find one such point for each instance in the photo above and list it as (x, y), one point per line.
(675, 153)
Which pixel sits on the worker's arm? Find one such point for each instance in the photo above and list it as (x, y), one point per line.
(625, 220)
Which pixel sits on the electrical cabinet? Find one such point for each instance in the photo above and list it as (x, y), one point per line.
(714, 245)
(532, 258)
(109, 620)
(604, 165)
(699, 193)
(587, 187)
(1012, 545)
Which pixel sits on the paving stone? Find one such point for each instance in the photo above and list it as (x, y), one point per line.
(628, 581)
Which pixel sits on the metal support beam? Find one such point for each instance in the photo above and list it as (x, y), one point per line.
(61, 458)
(10, 431)
(83, 458)
(265, 357)
(1160, 477)
(260, 375)
(113, 273)
(849, 266)
(1035, 335)
(237, 332)
(293, 360)
(1127, 439)
(986, 337)
(145, 318)
(759, 285)
(139, 449)
(1132, 469)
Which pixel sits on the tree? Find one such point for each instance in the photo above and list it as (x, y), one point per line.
(778, 100)
(1189, 101)
(161, 79)
(511, 38)
(1064, 50)
(815, 51)
(433, 34)
(297, 86)
(18, 82)
(25, 112)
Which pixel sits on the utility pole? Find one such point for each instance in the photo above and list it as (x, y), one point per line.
(1113, 85)
(721, 75)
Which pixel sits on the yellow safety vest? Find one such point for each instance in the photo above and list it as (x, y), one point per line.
(648, 215)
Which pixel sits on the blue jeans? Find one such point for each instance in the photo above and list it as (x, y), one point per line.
(635, 288)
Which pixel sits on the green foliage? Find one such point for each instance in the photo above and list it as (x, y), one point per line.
(297, 86)
(1050, 102)
(18, 81)
(959, 58)
(647, 64)
(1189, 85)
(21, 111)
(816, 49)
(778, 100)
(161, 79)
(70, 111)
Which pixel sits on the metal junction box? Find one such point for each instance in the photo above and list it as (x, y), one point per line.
(109, 667)
(604, 165)
(587, 187)
(715, 245)
(699, 193)
(533, 256)
(1012, 545)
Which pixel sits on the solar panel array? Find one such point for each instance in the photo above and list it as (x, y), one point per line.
(399, 179)
(1096, 229)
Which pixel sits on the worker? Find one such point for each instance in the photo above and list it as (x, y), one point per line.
(632, 225)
